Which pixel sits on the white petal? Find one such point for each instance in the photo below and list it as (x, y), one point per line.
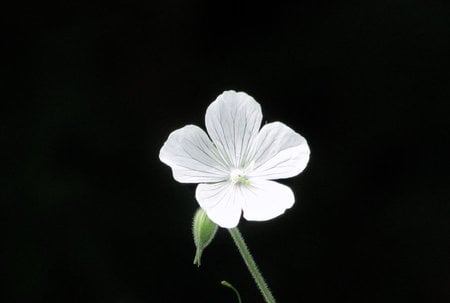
(192, 156)
(265, 200)
(232, 122)
(221, 202)
(279, 152)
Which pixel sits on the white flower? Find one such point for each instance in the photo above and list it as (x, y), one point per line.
(236, 163)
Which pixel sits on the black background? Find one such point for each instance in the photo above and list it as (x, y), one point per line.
(90, 214)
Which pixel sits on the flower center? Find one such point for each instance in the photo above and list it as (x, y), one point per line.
(237, 176)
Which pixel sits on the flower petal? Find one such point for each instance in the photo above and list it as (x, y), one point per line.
(279, 152)
(265, 200)
(232, 122)
(221, 202)
(192, 156)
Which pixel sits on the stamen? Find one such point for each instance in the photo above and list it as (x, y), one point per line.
(238, 176)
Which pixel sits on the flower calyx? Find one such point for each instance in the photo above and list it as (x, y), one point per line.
(203, 230)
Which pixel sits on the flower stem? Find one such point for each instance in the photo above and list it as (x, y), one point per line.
(248, 259)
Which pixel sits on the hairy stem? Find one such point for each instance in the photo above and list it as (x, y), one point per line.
(251, 265)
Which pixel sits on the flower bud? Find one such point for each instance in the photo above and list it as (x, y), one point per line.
(203, 230)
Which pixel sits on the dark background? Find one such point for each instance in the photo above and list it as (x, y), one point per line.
(89, 213)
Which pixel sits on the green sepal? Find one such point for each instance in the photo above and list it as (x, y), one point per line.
(203, 230)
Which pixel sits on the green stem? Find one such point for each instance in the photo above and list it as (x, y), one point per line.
(227, 284)
(245, 253)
